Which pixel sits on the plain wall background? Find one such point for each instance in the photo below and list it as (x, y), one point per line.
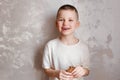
(26, 26)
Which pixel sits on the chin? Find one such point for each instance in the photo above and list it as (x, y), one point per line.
(66, 34)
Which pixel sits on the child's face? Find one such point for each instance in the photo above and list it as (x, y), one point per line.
(67, 22)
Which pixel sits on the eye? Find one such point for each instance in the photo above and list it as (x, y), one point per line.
(70, 20)
(60, 20)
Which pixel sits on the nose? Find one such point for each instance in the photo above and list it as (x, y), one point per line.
(65, 22)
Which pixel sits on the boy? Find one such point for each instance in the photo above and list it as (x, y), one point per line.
(66, 57)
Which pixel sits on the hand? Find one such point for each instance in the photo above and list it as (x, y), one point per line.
(78, 72)
(63, 75)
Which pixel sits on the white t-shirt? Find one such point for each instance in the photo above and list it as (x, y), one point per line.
(59, 56)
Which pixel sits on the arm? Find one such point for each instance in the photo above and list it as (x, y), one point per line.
(52, 72)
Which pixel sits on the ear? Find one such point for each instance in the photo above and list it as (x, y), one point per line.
(78, 24)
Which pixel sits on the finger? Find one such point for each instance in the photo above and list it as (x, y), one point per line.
(65, 78)
(75, 72)
(65, 75)
(78, 72)
(77, 69)
(82, 72)
(77, 76)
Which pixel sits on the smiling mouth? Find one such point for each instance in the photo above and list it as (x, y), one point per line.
(65, 28)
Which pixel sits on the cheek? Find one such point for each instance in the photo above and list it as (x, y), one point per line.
(73, 24)
(59, 24)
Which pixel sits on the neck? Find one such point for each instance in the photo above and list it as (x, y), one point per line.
(69, 40)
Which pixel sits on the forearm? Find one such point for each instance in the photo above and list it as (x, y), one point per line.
(52, 73)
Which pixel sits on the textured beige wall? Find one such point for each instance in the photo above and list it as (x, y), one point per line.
(26, 25)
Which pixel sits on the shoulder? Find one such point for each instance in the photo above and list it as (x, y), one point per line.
(52, 42)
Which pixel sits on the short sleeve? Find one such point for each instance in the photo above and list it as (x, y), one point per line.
(46, 57)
